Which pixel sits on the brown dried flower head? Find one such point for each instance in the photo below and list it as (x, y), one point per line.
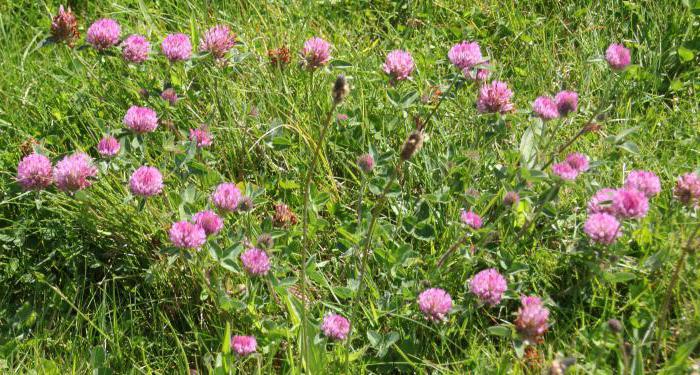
(64, 27)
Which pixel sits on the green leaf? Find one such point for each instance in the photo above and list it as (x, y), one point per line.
(528, 147)
(375, 338)
(501, 331)
(619, 277)
(630, 147)
(685, 54)
(288, 185)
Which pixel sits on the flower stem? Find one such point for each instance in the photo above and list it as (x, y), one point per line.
(305, 226)
(663, 313)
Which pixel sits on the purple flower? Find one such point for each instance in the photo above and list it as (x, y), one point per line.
(545, 108)
(341, 117)
(64, 26)
(601, 202)
(489, 286)
(34, 172)
(365, 163)
(316, 53)
(185, 235)
(399, 65)
(687, 189)
(532, 318)
(177, 47)
(644, 181)
(103, 33)
(435, 304)
(243, 345)
(108, 147)
(567, 102)
(477, 74)
(494, 98)
(201, 137)
(471, 218)
(74, 172)
(564, 171)
(511, 198)
(141, 119)
(209, 221)
(146, 182)
(602, 228)
(226, 197)
(255, 261)
(169, 95)
(218, 40)
(135, 49)
(335, 327)
(617, 56)
(578, 162)
(630, 203)
(465, 55)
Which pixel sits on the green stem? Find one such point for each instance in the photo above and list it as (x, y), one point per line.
(663, 314)
(305, 225)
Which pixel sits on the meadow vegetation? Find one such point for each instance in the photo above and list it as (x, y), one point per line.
(349, 187)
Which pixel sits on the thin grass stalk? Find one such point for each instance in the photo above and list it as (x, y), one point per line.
(305, 225)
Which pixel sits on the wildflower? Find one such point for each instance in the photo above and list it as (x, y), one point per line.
(511, 198)
(103, 33)
(435, 304)
(601, 202)
(567, 102)
(245, 204)
(255, 262)
(687, 189)
(108, 146)
(341, 89)
(399, 65)
(316, 53)
(185, 235)
(284, 216)
(477, 74)
(630, 203)
(226, 197)
(201, 137)
(545, 108)
(146, 182)
(489, 286)
(413, 144)
(341, 117)
(209, 221)
(465, 55)
(218, 40)
(169, 95)
(532, 318)
(471, 219)
(366, 163)
(617, 56)
(495, 98)
(602, 228)
(561, 365)
(578, 162)
(243, 345)
(279, 57)
(265, 241)
(135, 49)
(644, 181)
(64, 27)
(141, 119)
(335, 327)
(34, 172)
(74, 172)
(177, 47)
(564, 171)
(615, 325)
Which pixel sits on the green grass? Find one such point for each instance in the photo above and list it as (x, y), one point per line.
(91, 284)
